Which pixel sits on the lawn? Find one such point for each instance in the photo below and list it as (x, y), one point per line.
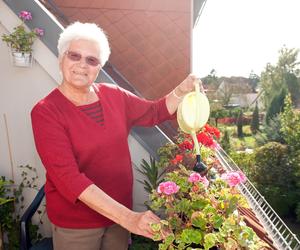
(240, 144)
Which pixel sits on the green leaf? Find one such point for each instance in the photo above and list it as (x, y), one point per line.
(200, 222)
(232, 205)
(3, 200)
(209, 210)
(156, 227)
(191, 236)
(183, 205)
(210, 240)
(169, 239)
(217, 221)
(156, 237)
(199, 204)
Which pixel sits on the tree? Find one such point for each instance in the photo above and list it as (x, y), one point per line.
(225, 92)
(290, 125)
(255, 120)
(276, 105)
(225, 141)
(284, 75)
(239, 124)
(212, 79)
(219, 113)
(271, 132)
(254, 80)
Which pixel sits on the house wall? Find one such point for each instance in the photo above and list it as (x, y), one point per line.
(20, 89)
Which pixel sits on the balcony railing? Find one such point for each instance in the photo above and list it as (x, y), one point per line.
(283, 237)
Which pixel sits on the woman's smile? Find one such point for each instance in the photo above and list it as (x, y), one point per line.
(79, 73)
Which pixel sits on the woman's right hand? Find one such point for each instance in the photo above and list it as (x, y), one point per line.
(140, 223)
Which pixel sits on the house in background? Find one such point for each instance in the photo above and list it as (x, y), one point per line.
(236, 91)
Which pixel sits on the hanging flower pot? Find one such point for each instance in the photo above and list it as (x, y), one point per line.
(21, 40)
(21, 59)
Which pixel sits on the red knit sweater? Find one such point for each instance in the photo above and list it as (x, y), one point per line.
(76, 151)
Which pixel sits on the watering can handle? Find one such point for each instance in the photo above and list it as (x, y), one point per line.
(197, 108)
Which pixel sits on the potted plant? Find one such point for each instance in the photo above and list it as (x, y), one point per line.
(3, 200)
(199, 211)
(12, 205)
(20, 41)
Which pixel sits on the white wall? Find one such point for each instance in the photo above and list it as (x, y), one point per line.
(20, 89)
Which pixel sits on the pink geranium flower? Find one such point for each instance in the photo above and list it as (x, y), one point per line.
(39, 31)
(168, 188)
(195, 177)
(234, 178)
(25, 15)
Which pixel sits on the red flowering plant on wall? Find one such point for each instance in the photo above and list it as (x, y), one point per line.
(199, 211)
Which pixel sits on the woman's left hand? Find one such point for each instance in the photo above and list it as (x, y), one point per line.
(188, 85)
(177, 94)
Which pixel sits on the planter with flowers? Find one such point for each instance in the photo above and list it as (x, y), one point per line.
(200, 210)
(20, 41)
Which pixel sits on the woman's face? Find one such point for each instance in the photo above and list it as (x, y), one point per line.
(75, 64)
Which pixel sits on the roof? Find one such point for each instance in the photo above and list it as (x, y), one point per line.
(150, 39)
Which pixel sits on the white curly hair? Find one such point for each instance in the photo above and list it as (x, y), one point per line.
(84, 31)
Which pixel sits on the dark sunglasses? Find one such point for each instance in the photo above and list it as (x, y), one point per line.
(90, 60)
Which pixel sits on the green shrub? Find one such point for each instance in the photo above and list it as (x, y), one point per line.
(276, 105)
(245, 161)
(290, 125)
(274, 177)
(255, 120)
(298, 212)
(225, 141)
(272, 131)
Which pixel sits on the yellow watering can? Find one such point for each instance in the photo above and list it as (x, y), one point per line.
(192, 115)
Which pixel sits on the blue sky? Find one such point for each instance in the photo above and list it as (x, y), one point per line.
(237, 36)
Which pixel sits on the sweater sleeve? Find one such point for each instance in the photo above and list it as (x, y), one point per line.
(142, 112)
(55, 151)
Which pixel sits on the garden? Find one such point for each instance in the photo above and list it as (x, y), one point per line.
(266, 146)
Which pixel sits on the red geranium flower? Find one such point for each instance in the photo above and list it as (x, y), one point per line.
(212, 130)
(177, 159)
(186, 145)
(205, 139)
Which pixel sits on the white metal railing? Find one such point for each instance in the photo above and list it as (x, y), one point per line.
(282, 236)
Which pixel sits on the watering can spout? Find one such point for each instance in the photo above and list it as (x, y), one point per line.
(200, 167)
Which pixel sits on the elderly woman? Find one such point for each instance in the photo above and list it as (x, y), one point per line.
(80, 131)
